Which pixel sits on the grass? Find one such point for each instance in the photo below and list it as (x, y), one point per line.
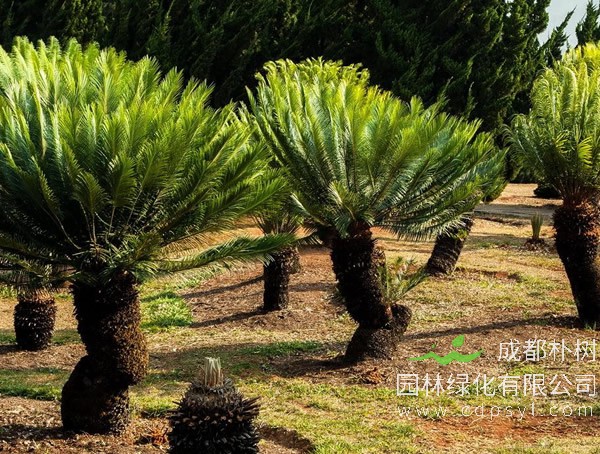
(37, 384)
(165, 310)
(281, 349)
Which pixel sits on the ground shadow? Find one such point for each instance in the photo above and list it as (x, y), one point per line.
(59, 337)
(287, 438)
(6, 349)
(223, 289)
(518, 211)
(238, 317)
(253, 359)
(312, 287)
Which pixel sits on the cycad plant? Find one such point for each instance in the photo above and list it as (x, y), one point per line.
(34, 319)
(213, 417)
(113, 172)
(279, 217)
(35, 312)
(358, 158)
(560, 140)
(537, 222)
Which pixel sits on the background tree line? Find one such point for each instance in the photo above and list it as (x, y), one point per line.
(480, 56)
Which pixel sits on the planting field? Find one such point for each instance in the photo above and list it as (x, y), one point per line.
(502, 294)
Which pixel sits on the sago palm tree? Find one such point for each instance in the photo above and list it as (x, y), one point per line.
(34, 318)
(560, 140)
(113, 172)
(359, 158)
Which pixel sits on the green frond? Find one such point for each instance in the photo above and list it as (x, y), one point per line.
(236, 251)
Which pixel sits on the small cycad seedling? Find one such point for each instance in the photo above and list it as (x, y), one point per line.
(537, 221)
(213, 417)
(535, 242)
(400, 277)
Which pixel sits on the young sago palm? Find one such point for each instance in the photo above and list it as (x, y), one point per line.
(114, 172)
(560, 140)
(34, 318)
(359, 158)
(213, 417)
(278, 216)
(35, 312)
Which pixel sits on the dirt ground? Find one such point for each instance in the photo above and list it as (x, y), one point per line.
(518, 201)
(310, 400)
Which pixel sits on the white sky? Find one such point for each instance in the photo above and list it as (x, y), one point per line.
(558, 10)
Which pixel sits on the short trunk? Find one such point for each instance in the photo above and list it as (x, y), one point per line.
(447, 249)
(276, 279)
(35, 314)
(577, 241)
(380, 343)
(357, 264)
(95, 398)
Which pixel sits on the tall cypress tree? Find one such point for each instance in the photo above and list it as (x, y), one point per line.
(138, 28)
(227, 42)
(588, 29)
(478, 55)
(38, 19)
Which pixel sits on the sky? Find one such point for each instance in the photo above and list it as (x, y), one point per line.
(558, 10)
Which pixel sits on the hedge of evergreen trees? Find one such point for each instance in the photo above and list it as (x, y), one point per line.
(481, 56)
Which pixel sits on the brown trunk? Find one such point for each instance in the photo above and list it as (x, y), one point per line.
(357, 264)
(577, 240)
(276, 279)
(35, 314)
(447, 249)
(95, 398)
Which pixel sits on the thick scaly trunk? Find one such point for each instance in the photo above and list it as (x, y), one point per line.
(577, 241)
(447, 249)
(357, 264)
(95, 399)
(35, 314)
(276, 279)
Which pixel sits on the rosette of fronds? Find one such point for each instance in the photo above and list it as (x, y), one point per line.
(108, 165)
(400, 277)
(559, 139)
(356, 154)
(213, 417)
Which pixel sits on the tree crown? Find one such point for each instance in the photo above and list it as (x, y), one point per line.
(106, 165)
(560, 137)
(356, 155)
